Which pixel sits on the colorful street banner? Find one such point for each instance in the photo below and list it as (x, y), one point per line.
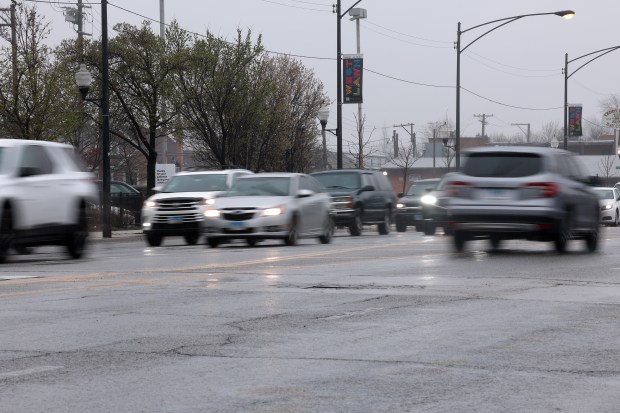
(352, 78)
(574, 120)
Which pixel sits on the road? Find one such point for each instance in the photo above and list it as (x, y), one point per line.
(396, 323)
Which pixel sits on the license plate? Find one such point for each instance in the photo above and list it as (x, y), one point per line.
(237, 224)
(417, 217)
(175, 220)
(498, 194)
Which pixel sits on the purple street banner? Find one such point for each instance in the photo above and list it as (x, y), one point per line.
(574, 120)
(352, 78)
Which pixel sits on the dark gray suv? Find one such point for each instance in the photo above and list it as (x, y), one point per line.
(532, 193)
(359, 197)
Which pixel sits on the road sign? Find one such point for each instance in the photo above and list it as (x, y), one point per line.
(611, 118)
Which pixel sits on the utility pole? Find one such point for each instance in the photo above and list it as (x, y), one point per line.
(527, 135)
(484, 117)
(395, 142)
(411, 135)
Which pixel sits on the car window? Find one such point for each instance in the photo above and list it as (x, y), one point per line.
(605, 194)
(368, 180)
(576, 169)
(421, 188)
(196, 183)
(73, 161)
(502, 164)
(261, 186)
(307, 182)
(35, 157)
(339, 180)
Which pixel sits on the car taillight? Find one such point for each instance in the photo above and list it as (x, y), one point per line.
(543, 189)
(457, 188)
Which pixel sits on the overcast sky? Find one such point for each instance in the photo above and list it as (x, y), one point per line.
(515, 72)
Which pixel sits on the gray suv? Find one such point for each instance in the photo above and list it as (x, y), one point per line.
(533, 193)
(359, 197)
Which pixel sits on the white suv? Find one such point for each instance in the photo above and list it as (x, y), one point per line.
(44, 197)
(178, 207)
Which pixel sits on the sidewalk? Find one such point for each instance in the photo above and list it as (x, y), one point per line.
(121, 234)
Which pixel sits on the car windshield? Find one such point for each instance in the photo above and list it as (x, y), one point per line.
(420, 188)
(339, 180)
(261, 186)
(196, 183)
(502, 164)
(605, 193)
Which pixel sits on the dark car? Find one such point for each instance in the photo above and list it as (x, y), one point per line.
(532, 193)
(435, 209)
(409, 206)
(359, 197)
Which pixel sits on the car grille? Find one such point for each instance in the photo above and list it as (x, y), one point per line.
(177, 218)
(242, 214)
(178, 204)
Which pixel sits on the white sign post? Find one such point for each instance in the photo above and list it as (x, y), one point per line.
(163, 172)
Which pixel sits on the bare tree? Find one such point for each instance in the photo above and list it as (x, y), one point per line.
(548, 131)
(406, 157)
(606, 168)
(593, 129)
(362, 148)
(609, 102)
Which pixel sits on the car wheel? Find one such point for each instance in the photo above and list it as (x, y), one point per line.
(251, 242)
(355, 227)
(153, 240)
(7, 234)
(23, 250)
(495, 242)
(430, 228)
(76, 245)
(459, 241)
(213, 242)
(592, 238)
(561, 237)
(291, 237)
(328, 231)
(384, 227)
(616, 218)
(400, 225)
(191, 239)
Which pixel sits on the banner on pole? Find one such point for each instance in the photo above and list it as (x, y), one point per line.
(352, 78)
(574, 120)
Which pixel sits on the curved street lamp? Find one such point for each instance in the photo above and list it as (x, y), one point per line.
(566, 76)
(323, 116)
(566, 14)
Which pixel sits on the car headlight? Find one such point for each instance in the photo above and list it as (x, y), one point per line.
(608, 206)
(209, 201)
(428, 200)
(212, 213)
(271, 212)
(150, 204)
(399, 205)
(342, 202)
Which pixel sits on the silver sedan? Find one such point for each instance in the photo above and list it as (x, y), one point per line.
(284, 206)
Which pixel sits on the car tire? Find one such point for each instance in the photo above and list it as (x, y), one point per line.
(191, 239)
(356, 225)
(459, 239)
(495, 242)
(616, 218)
(430, 228)
(328, 231)
(291, 237)
(76, 244)
(561, 237)
(23, 250)
(213, 242)
(400, 226)
(7, 233)
(384, 227)
(592, 238)
(153, 240)
(251, 242)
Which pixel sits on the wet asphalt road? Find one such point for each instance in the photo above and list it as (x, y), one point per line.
(396, 323)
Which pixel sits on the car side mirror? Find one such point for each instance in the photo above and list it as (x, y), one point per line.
(367, 188)
(401, 194)
(304, 193)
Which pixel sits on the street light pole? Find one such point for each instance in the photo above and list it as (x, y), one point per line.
(566, 76)
(339, 16)
(357, 14)
(566, 14)
(323, 117)
(105, 121)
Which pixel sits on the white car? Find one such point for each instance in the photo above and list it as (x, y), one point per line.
(609, 200)
(44, 197)
(284, 206)
(178, 207)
